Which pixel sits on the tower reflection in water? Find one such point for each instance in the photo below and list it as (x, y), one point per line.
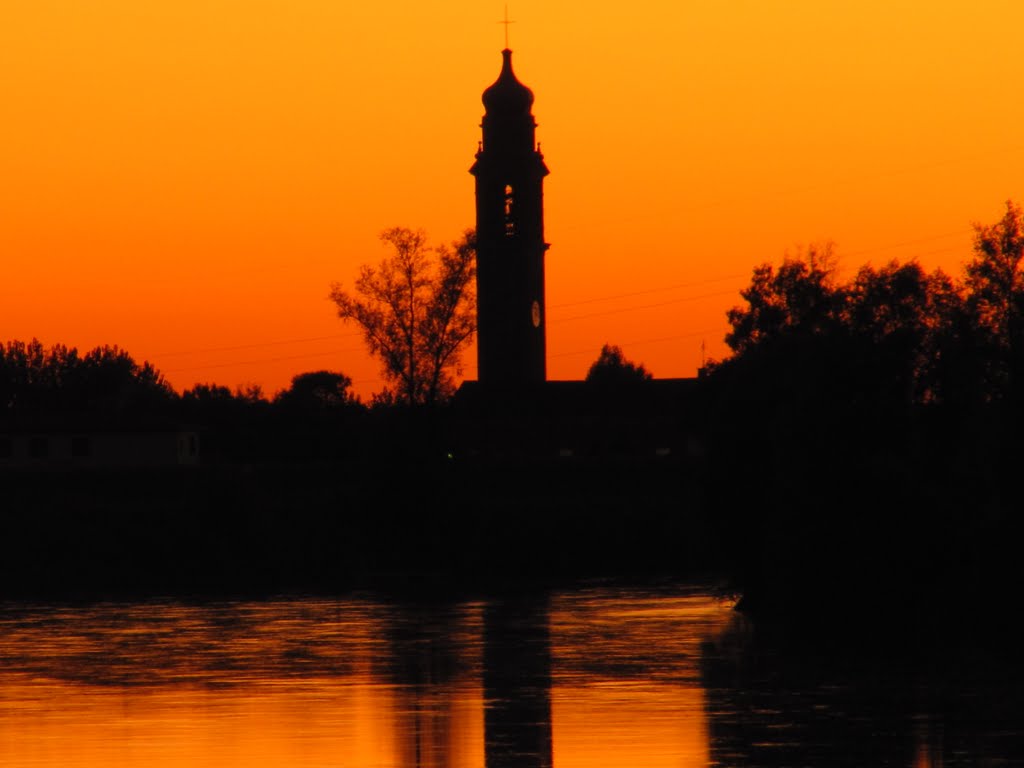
(517, 685)
(433, 666)
(463, 680)
(584, 680)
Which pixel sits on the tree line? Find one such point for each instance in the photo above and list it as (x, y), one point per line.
(46, 384)
(862, 440)
(889, 338)
(894, 334)
(896, 378)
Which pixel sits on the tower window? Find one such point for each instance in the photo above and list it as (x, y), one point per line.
(510, 201)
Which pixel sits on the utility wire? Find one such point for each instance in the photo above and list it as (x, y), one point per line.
(555, 321)
(640, 306)
(611, 297)
(917, 241)
(261, 360)
(640, 342)
(256, 345)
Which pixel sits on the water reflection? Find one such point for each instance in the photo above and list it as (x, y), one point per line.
(945, 708)
(589, 679)
(433, 662)
(517, 685)
(627, 681)
(760, 719)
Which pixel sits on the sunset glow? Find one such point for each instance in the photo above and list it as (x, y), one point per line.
(227, 685)
(186, 179)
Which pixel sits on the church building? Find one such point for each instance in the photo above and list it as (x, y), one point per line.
(512, 409)
(510, 171)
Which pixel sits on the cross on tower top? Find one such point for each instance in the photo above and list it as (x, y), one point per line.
(506, 22)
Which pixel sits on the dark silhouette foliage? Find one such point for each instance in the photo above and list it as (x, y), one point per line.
(864, 434)
(206, 402)
(863, 424)
(902, 335)
(893, 335)
(416, 309)
(35, 380)
(995, 302)
(612, 369)
(798, 299)
(317, 390)
(208, 393)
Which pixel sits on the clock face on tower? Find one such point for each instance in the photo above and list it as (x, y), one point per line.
(535, 314)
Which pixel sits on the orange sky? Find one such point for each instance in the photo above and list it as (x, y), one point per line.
(185, 178)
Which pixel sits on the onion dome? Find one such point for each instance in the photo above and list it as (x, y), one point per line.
(507, 95)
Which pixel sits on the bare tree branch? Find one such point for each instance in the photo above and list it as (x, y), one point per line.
(417, 311)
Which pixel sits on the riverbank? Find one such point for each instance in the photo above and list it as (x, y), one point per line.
(329, 527)
(814, 567)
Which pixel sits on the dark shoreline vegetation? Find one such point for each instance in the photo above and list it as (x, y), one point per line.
(858, 457)
(905, 540)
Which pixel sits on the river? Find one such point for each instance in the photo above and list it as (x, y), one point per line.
(602, 677)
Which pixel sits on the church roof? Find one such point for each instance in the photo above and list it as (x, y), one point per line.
(507, 95)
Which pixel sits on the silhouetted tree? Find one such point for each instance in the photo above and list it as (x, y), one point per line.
(860, 425)
(613, 369)
(207, 393)
(35, 380)
(897, 319)
(416, 310)
(236, 424)
(114, 380)
(250, 393)
(994, 277)
(317, 390)
(890, 335)
(995, 298)
(800, 297)
(213, 402)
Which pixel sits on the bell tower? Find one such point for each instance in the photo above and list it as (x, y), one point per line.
(510, 171)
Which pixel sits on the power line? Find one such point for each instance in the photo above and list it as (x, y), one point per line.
(255, 345)
(603, 313)
(640, 306)
(648, 291)
(596, 300)
(640, 342)
(261, 360)
(909, 242)
(912, 256)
